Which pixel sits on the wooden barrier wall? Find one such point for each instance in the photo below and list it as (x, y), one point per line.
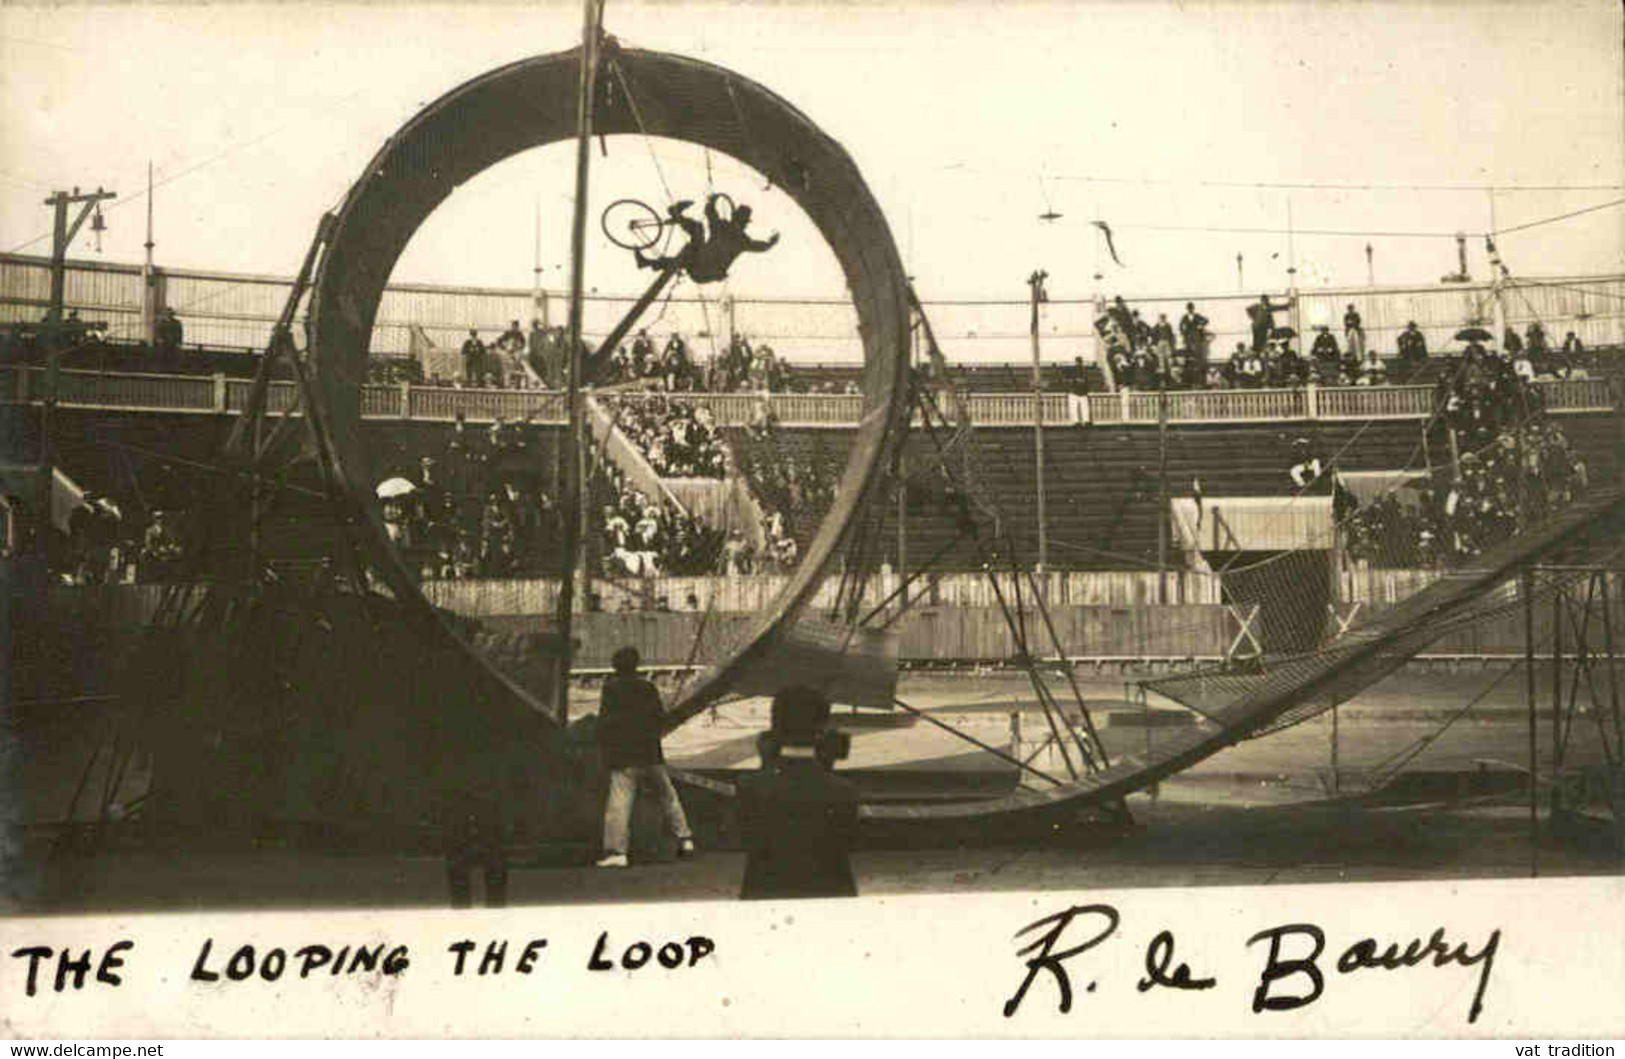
(490, 598)
(930, 634)
(77, 647)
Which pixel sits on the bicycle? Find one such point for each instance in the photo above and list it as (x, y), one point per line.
(633, 224)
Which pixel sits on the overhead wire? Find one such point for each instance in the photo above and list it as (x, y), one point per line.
(194, 167)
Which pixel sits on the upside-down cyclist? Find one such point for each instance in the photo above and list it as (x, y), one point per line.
(707, 259)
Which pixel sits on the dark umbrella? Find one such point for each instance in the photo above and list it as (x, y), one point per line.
(1473, 334)
(1283, 332)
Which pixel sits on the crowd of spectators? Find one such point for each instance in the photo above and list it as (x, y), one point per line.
(642, 538)
(672, 369)
(740, 368)
(479, 510)
(1146, 356)
(101, 547)
(679, 439)
(1515, 468)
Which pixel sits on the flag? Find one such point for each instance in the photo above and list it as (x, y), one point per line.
(1110, 245)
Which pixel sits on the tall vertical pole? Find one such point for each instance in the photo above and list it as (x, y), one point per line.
(53, 341)
(1291, 270)
(1529, 691)
(1558, 599)
(1162, 491)
(902, 524)
(149, 303)
(1241, 278)
(1036, 283)
(573, 500)
(538, 298)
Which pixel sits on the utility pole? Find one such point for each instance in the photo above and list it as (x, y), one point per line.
(592, 15)
(1039, 295)
(54, 330)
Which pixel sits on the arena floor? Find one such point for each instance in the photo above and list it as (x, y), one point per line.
(1259, 813)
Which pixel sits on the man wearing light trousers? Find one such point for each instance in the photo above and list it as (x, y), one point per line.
(629, 744)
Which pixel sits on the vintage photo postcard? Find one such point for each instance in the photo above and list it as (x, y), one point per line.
(785, 519)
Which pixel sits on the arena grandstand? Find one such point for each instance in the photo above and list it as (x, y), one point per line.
(716, 451)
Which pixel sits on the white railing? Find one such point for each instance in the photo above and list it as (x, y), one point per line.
(216, 394)
(1373, 402)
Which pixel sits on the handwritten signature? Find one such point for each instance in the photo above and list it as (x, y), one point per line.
(1284, 983)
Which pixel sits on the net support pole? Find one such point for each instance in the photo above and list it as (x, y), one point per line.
(1529, 688)
(1162, 491)
(1036, 284)
(1558, 602)
(902, 515)
(572, 444)
(1337, 780)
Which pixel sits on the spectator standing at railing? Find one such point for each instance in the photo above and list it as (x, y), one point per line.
(473, 360)
(1261, 314)
(169, 333)
(643, 351)
(1077, 379)
(1511, 344)
(1123, 318)
(1535, 340)
(1162, 335)
(1142, 332)
(1354, 338)
(1572, 346)
(536, 352)
(511, 341)
(1193, 332)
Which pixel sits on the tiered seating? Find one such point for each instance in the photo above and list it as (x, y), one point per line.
(819, 457)
(1102, 485)
(1102, 481)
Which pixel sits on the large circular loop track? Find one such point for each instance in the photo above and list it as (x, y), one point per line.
(532, 103)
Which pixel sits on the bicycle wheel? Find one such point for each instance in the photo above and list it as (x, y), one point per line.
(632, 224)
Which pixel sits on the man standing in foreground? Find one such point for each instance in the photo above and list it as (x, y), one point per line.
(797, 820)
(629, 744)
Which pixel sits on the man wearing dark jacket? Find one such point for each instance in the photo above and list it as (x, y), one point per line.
(797, 820)
(629, 744)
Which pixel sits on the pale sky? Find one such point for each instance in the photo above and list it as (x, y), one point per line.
(967, 119)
